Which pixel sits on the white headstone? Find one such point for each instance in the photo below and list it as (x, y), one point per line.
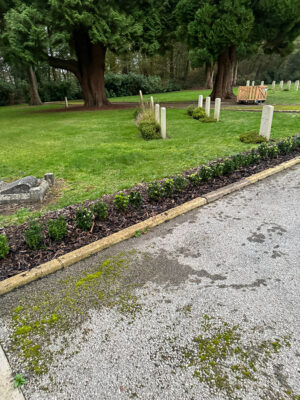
(273, 85)
(248, 83)
(266, 121)
(151, 103)
(200, 101)
(217, 109)
(253, 83)
(262, 83)
(207, 106)
(288, 85)
(157, 113)
(163, 123)
(296, 85)
(281, 84)
(141, 99)
(66, 102)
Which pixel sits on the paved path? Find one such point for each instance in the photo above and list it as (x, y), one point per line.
(206, 306)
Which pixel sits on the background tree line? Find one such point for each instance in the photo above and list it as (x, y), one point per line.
(53, 49)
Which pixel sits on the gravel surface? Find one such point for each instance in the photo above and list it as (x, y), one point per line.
(206, 306)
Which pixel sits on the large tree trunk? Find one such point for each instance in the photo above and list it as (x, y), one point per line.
(223, 84)
(33, 88)
(89, 69)
(91, 61)
(209, 70)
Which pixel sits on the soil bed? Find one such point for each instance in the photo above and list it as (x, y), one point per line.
(21, 258)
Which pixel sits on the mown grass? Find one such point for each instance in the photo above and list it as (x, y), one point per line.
(101, 152)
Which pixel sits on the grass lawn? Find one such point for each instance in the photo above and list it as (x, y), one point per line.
(276, 96)
(102, 152)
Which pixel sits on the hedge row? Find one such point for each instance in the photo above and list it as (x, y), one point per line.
(84, 218)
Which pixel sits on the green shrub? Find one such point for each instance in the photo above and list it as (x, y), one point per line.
(155, 191)
(228, 167)
(100, 210)
(199, 113)
(296, 143)
(57, 229)
(135, 199)
(217, 169)
(253, 157)
(84, 218)
(240, 160)
(252, 137)
(4, 247)
(285, 146)
(33, 236)
(206, 173)
(263, 150)
(179, 183)
(149, 129)
(194, 179)
(273, 151)
(208, 120)
(168, 187)
(190, 110)
(121, 202)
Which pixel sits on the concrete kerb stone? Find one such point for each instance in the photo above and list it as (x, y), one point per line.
(7, 391)
(95, 247)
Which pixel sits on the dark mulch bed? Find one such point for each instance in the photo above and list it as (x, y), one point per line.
(21, 258)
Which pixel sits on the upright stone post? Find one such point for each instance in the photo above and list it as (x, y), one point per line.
(200, 101)
(266, 121)
(253, 83)
(157, 119)
(288, 85)
(151, 103)
(66, 102)
(207, 106)
(163, 123)
(281, 84)
(248, 83)
(141, 99)
(297, 86)
(217, 109)
(273, 85)
(262, 83)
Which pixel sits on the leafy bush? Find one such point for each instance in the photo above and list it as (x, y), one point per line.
(217, 169)
(168, 187)
(263, 150)
(190, 110)
(84, 218)
(121, 202)
(135, 199)
(129, 84)
(208, 120)
(12, 94)
(252, 137)
(253, 157)
(179, 183)
(150, 130)
(206, 173)
(58, 90)
(285, 146)
(194, 179)
(273, 151)
(4, 247)
(240, 160)
(155, 191)
(228, 167)
(199, 113)
(57, 229)
(296, 142)
(100, 210)
(33, 236)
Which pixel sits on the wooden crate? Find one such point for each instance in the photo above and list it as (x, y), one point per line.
(252, 94)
